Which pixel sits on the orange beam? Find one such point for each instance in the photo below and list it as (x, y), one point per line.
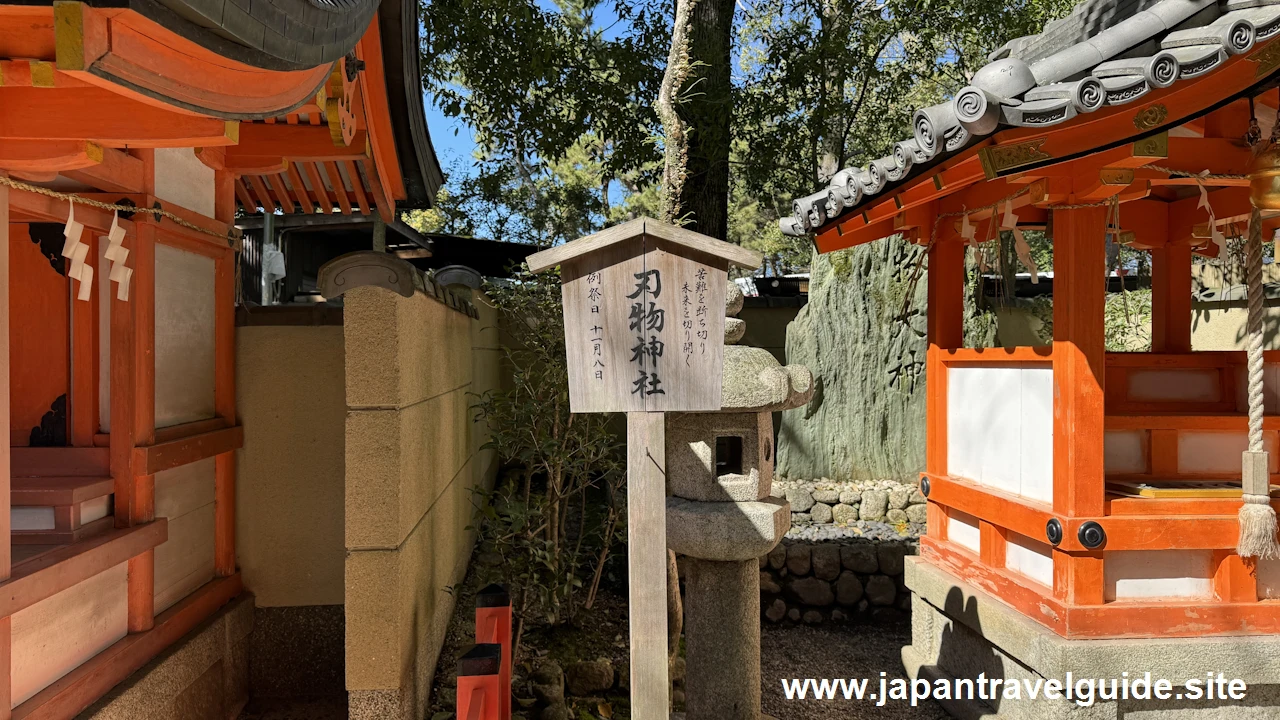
(300, 189)
(1009, 511)
(1078, 360)
(985, 356)
(26, 31)
(317, 187)
(242, 193)
(1230, 204)
(130, 54)
(117, 171)
(1195, 618)
(256, 165)
(381, 136)
(151, 459)
(1229, 121)
(282, 193)
(52, 572)
(57, 156)
(335, 181)
(357, 186)
(1148, 220)
(33, 207)
(260, 191)
(1014, 590)
(115, 121)
(385, 205)
(1147, 531)
(262, 144)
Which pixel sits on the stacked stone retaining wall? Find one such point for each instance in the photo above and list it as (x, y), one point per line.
(850, 580)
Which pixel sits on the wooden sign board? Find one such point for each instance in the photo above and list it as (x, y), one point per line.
(644, 317)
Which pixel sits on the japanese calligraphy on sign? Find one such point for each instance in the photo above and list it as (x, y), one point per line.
(644, 317)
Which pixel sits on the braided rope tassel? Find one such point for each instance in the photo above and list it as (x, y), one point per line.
(1253, 327)
(1257, 518)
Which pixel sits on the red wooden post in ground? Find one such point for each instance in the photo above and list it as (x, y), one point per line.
(479, 683)
(493, 626)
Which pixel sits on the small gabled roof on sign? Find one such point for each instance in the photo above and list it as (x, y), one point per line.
(735, 254)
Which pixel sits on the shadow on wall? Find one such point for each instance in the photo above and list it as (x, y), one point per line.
(963, 653)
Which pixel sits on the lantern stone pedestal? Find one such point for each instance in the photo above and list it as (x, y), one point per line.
(721, 518)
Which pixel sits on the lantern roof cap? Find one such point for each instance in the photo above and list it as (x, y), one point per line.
(642, 226)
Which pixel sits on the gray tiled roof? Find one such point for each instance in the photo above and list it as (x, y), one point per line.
(1106, 52)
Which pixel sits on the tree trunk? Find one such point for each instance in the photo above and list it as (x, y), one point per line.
(707, 113)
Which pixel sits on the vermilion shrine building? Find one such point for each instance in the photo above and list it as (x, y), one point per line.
(1039, 559)
(118, 504)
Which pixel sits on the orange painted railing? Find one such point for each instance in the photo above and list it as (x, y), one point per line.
(484, 672)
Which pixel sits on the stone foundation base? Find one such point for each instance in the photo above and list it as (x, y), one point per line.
(958, 631)
(203, 676)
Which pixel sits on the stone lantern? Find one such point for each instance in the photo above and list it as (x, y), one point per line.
(720, 516)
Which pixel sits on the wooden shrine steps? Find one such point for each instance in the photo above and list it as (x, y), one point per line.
(59, 509)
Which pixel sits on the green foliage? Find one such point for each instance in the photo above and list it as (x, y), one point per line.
(1127, 321)
(826, 85)
(531, 80)
(554, 524)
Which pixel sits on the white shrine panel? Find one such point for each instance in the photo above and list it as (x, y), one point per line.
(1000, 427)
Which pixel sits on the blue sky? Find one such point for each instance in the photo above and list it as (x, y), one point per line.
(451, 137)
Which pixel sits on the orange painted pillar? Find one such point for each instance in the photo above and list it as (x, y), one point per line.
(1079, 357)
(224, 378)
(478, 683)
(84, 354)
(493, 626)
(1171, 298)
(142, 297)
(6, 624)
(945, 332)
(224, 394)
(1079, 297)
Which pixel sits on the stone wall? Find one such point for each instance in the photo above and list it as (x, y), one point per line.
(202, 676)
(866, 418)
(850, 580)
(413, 459)
(824, 508)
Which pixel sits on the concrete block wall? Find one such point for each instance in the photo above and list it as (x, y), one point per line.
(413, 459)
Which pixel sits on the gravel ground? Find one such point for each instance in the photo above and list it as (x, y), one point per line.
(868, 529)
(848, 651)
(329, 708)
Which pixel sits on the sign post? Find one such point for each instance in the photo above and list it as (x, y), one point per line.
(644, 334)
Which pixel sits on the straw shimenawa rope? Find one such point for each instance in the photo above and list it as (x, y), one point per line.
(1257, 518)
(232, 239)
